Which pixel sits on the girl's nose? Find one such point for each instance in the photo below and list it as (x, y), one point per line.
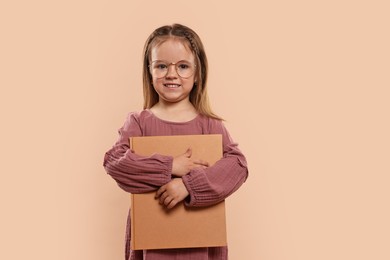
(171, 73)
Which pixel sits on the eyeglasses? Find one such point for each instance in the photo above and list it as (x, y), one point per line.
(184, 69)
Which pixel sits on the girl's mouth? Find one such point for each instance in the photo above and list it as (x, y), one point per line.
(172, 85)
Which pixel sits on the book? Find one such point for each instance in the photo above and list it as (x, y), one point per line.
(155, 227)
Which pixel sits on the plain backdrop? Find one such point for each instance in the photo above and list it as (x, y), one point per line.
(303, 86)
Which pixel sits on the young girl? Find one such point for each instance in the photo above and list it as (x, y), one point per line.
(175, 103)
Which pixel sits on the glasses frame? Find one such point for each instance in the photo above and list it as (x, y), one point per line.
(169, 65)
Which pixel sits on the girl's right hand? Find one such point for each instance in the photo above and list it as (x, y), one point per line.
(183, 164)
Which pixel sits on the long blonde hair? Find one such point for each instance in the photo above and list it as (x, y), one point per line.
(198, 94)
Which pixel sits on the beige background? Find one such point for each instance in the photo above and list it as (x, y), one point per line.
(304, 86)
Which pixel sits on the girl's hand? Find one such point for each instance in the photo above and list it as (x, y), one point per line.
(172, 193)
(183, 164)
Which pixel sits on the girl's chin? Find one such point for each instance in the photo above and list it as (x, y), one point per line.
(174, 99)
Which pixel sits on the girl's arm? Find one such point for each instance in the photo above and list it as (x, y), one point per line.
(134, 173)
(208, 186)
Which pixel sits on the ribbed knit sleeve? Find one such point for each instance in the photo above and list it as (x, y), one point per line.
(134, 173)
(215, 183)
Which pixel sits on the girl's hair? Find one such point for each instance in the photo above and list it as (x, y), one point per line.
(198, 94)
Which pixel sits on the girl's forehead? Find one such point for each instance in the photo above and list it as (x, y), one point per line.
(172, 50)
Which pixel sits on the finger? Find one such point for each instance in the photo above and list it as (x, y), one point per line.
(168, 200)
(171, 204)
(160, 191)
(204, 163)
(188, 153)
(163, 197)
(201, 162)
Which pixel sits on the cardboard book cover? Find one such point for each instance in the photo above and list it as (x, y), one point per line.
(155, 227)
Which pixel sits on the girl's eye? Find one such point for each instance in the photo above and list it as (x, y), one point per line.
(183, 66)
(161, 66)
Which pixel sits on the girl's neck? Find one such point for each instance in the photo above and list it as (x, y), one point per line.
(174, 112)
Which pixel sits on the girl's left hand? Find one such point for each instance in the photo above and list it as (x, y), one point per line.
(172, 193)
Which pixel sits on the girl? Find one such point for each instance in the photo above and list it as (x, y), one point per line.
(175, 103)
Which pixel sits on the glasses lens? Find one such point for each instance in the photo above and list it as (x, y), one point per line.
(159, 69)
(185, 69)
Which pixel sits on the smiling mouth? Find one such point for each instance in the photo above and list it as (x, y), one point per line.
(172, 85)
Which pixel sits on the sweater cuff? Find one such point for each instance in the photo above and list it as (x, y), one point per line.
(192, 180)
(168, 161)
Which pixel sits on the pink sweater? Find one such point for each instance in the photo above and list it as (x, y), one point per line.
(138, 174)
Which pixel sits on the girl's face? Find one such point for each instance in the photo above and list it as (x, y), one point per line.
(176, 59)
